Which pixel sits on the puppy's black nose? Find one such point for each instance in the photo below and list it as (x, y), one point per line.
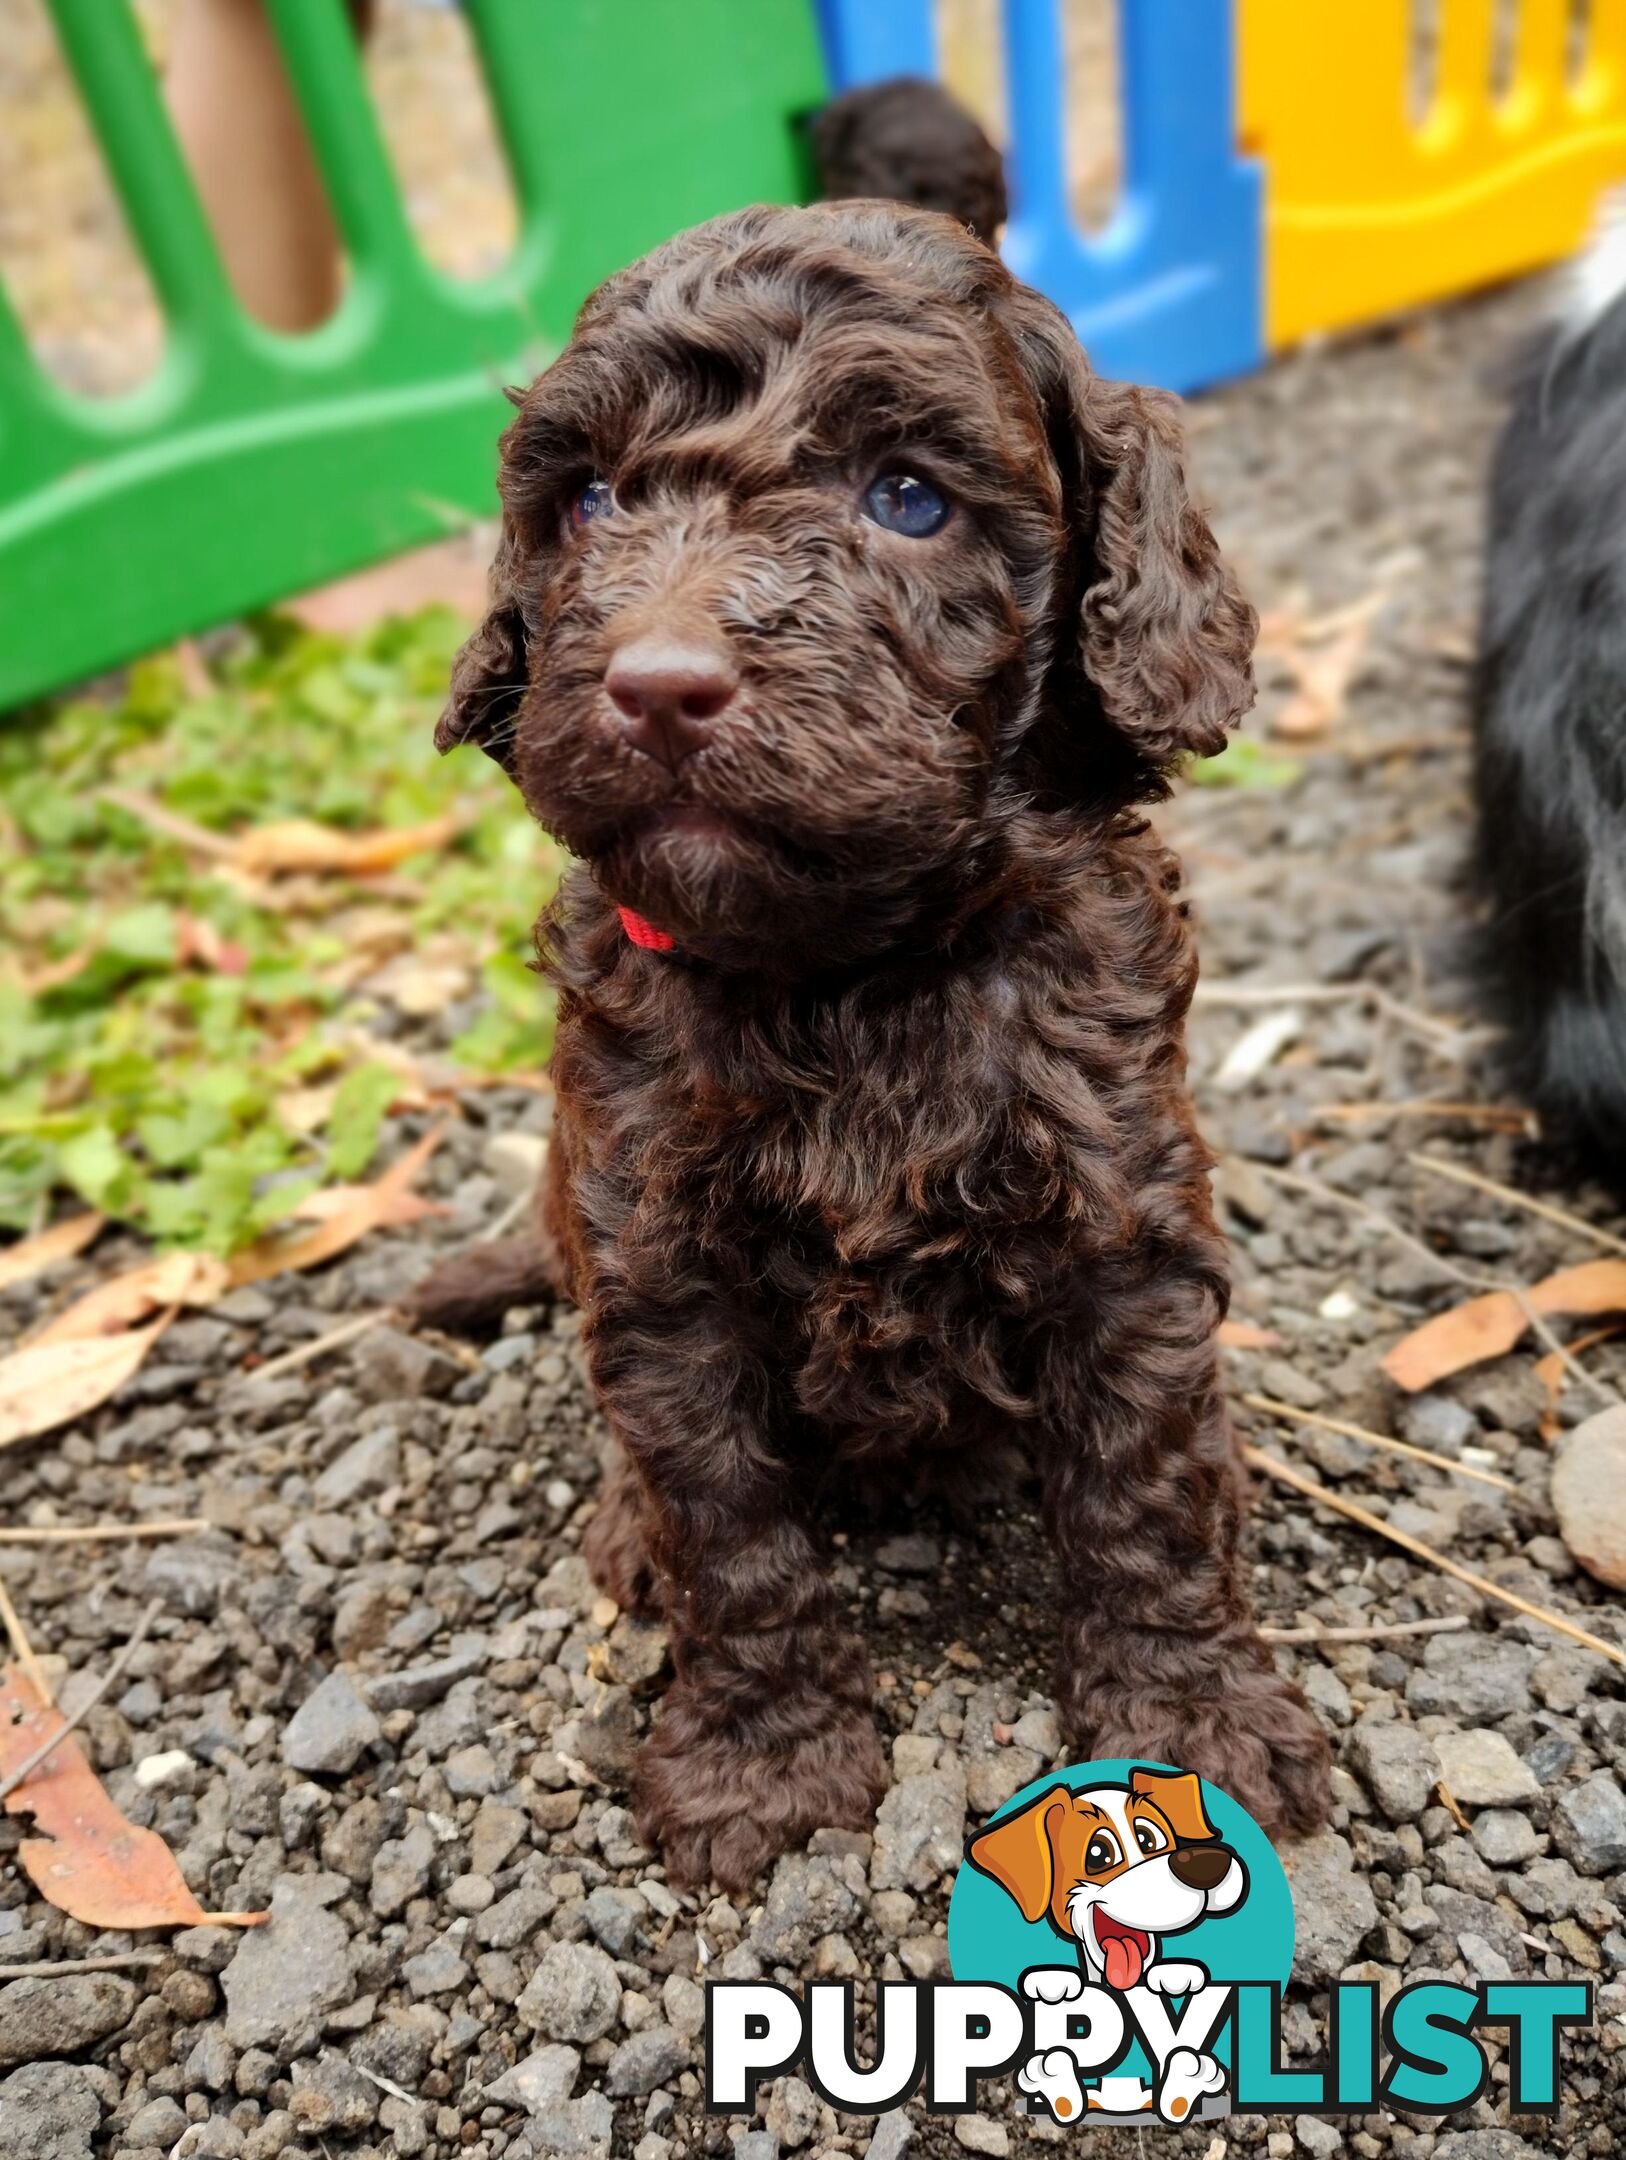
(669, 692)
(1200, 1867)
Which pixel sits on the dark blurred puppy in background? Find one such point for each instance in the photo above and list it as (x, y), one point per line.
(1550, 721)
(908, 141)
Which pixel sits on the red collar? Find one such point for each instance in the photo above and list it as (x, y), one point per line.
(644, 934)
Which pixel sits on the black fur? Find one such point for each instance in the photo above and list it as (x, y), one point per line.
(907, 140)
(1550, 729)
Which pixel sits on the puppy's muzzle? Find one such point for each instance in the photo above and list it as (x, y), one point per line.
(1200, 1867)
(669, 691)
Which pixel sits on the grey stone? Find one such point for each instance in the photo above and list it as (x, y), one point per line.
(1334, 1905)
(920, 1829)
(48, 2111)
(287, 1975)
(1504, 1837)
(605, 1736)
(192, 1575)
(401, 1871)
(514, 1919)
(435, 1971)
(1589, 1824)
(352, 1843)
(331, 1729)
(414, 1687)
(361, 1617)
(1319, 2136)
(1435, 1421)
(755, 2145)
(539, 2080)
(574, 2129)
(893, 2131)
(160, 2122)
(1480, 1769)
(1475, 1678)
(1589, 1495)
(792, 2112)
(472, 1772)
(1487, 2144)
(807, 1897)
(653, 2056)
(616, 1918)
(1398, 1765)
(574, 1994)
(391, 1366)
(59, 2017)
(494, 1834)
(364, 1470)
(330, 2095)
(210, 2063)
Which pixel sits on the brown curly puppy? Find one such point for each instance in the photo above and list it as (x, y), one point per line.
(841, 618)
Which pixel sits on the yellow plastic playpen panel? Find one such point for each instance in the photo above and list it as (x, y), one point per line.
(1371, 206)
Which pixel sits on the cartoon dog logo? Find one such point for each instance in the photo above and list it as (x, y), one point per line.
(1117, 1869)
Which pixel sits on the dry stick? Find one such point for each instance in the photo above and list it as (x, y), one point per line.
(1269, 1466)
(30, 1763)
(1503, 1117)
(1373, 1631)
(335, 1339)
(23, 1647)
(113, 1532)
(51, 1970)
(1453, 1042)
(1319, 1189)
(1564, 1219)
(1273, 1408)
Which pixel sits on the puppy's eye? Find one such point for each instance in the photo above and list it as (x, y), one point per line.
(1101, 1852)
(901, 503)
(1149, 1837)
(596, 500)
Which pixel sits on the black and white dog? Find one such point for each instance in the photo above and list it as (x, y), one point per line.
(1550, 720)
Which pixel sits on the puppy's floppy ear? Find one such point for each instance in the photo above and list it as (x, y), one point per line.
(1019, 1855)
(491, 674)
(1180, 1796)
(1165, 634)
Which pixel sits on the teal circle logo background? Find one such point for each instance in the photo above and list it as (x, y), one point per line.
(989, 1940)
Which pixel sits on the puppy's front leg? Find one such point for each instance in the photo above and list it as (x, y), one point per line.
(767, 1733)
(1160, 1657)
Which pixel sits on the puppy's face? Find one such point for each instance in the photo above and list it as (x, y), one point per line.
(1116, 1868)
(789, 560)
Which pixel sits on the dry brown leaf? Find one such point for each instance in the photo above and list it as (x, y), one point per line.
(177, 1278)
(1324, 679)
(88, 1860)
(362, 1208)
(48, 1384)
(1243, 1335)
(398, 1212)
(1489, 1326)
(299, 845)
(61, 1242)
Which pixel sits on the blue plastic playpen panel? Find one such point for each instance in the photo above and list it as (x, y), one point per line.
(1170, 292)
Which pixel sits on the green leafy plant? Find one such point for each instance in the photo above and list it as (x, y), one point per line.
(163, 1008)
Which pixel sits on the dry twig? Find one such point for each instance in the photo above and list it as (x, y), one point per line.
(1370, 1631)
(21, 1646)
(30, 1763)
(59, 1968)
(1272, 1408)
(103, 1532)
(1459, 1175)
(1269, 1466)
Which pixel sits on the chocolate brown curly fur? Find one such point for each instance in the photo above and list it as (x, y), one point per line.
(893, 1158)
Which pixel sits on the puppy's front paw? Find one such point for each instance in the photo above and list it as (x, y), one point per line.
(719, 1808)
(1243, 1727)
(1174, 1976)
(1053, 1983)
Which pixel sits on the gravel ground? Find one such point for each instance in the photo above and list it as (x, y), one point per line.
(404, 1719)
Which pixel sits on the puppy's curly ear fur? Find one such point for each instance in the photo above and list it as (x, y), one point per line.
(491, 675)
(1165, 635)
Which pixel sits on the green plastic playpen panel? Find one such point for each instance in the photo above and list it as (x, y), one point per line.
(253, 464)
